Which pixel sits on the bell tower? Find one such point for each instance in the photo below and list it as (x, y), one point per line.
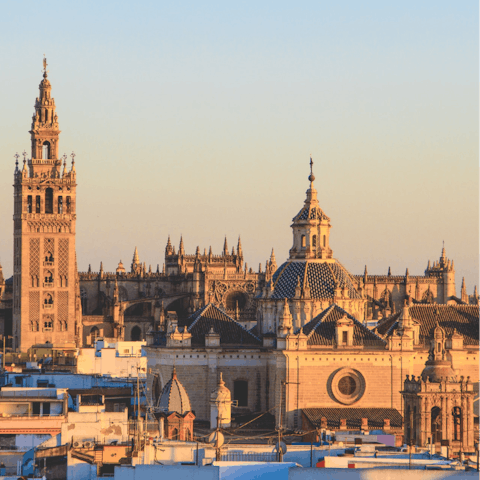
(44, 280)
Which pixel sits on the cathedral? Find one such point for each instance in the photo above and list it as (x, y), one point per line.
(307, 339)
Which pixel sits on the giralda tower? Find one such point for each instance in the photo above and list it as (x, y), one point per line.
(45, 280)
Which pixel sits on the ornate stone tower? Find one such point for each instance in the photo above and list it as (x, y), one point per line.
(45, 276)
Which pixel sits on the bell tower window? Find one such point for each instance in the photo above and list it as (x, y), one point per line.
(46, 150)
(37, 204)
(60, 204)
(49, 200)
(29, 204)
(69, 205)
(314, 241)
(303, 241)
(324, 241)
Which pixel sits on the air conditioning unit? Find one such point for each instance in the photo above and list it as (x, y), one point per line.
(88, 444)
(77, 444)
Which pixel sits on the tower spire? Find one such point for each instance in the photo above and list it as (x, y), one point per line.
(239, 247)
(225, 247)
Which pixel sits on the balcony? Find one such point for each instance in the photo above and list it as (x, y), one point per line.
(48, 285)
(48, 264)
(48, 306)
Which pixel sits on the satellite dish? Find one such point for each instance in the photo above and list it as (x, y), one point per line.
(217, 439)
(283, 447)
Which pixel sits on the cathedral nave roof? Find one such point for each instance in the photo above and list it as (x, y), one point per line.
(231, 332)
(463, 318)
(321, 330)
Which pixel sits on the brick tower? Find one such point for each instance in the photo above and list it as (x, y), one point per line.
(45, 285)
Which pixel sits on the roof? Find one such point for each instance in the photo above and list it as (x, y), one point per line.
(384, 325)
(230, 331)
(174, 397)
(463, 318)
(322, 279)
(311, 213)
(321, 330)
(354, 416)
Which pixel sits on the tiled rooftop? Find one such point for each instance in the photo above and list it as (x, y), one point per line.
(464, 318)
(321, 330)
(230, 331)
(354, 416)
(321, 279)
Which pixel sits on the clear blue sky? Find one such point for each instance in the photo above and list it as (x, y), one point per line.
(198, 118)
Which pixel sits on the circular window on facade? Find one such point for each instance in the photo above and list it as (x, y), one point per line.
(347, 385)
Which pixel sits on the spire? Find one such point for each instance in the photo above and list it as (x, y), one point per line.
(89, 268)
(233, 251)
(389, 272)
(365, 272)
(197, 252)
(168, 248)
(225, 247)
(135, 256)
(463, 294)
(45, 130)
(181, 248)
(239, 247)
(158, 268)
(406, 272)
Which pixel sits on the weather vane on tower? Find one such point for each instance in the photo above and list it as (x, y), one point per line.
(311, 176)
(45, 65)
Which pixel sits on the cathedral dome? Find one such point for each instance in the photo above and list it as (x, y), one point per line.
(323, 278)
(174, 397)
(435, 370)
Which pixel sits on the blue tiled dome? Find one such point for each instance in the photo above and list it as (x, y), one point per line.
(322, 279)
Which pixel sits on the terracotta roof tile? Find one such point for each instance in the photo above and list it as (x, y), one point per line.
(354, 416)
(230, 331)
(321, 330)
(464, 318)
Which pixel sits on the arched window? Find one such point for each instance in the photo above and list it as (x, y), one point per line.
(60, 204)
(175, 435)
(83, 300)
(94, 334)
(49, 200)
(48, 299)
(188, 435)
(69, 205)
(324, 241)
(303, 241)
(136, 334)
(46, 150)
(234, 300)
(314, 241)
(457, 423)
(436, 424)
(37, 204)
(49, 277)
(29, 204)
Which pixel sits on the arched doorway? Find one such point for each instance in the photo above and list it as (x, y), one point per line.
(436, 424)
(175, 435)
(136, 334)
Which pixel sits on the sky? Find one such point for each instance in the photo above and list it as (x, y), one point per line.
(199, 118)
